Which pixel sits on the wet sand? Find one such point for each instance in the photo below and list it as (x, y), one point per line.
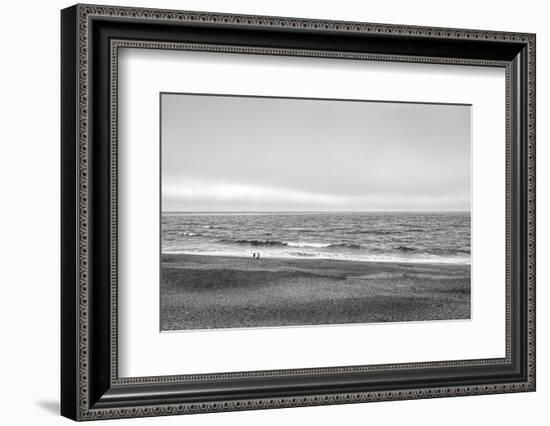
(203, 292)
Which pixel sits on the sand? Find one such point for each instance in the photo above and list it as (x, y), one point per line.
(203, 292)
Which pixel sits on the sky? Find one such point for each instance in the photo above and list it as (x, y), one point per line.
(228, 153)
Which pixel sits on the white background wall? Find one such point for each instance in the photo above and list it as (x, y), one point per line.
(29, 225)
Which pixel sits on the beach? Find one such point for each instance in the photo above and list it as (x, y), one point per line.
(205, 292)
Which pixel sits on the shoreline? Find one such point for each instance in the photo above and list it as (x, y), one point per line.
(206, 292)
(312, 258)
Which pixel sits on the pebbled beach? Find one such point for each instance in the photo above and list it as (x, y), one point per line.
(206, 292)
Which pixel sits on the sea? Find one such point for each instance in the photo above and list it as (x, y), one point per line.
(427, 237)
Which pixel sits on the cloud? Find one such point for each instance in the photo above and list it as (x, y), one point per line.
(193, 190)
(197, 195)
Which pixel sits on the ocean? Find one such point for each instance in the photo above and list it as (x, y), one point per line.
(373, 236)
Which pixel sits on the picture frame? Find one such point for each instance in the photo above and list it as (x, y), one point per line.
(91, 37)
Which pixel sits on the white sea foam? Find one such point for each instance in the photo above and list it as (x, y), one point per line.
(306, 244)
(285, 254)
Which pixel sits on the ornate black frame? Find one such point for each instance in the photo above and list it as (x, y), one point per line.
(91, 37)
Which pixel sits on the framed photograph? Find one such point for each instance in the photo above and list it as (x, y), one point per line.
(263, 212)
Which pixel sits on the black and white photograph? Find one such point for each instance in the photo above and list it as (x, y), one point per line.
(275, 207)
(300, 211)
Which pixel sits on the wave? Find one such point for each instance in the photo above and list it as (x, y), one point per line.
(303, 244)
(405, 248)
(375, 232)
(302, 254)
(463, 251)
(402, 250)
(275, 243)
(267, 243)
(346, 245)
(449, 251)
(432, 251)
(187, 234)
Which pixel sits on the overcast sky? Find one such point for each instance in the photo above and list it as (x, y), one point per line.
(223, 153)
